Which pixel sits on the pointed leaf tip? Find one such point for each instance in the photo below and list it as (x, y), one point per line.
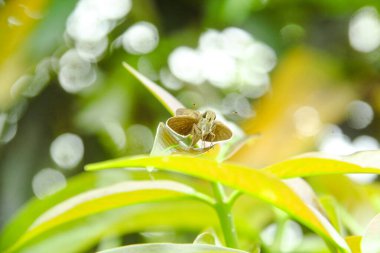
(164, 97)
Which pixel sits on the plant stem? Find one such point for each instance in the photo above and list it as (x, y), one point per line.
(281, 223)
(223, 210)
(233, 197)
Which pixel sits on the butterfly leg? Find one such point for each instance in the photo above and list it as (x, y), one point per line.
(212, 136)
(211, 139)
(196, 134)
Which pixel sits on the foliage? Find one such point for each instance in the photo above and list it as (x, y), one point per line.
(223, 197)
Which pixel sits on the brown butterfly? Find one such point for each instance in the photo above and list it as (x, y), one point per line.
(201, 126)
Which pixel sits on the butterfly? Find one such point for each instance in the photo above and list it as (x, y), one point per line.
(201, 126)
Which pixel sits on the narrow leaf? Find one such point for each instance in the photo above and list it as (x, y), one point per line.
(85, 234)
(172, 248)
(314, 164)
(95, 201)
(332, 211)
(35, 207)
(165, 98)
(254, 182)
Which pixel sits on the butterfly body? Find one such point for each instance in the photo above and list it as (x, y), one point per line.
(201, 126)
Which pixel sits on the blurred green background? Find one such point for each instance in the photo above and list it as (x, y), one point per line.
(303, 74)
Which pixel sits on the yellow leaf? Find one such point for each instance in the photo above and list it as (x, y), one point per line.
(256, 183)
(354, 243)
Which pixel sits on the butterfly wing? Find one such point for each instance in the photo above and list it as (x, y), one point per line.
(220, 133)
(188, 112)
(182, 124)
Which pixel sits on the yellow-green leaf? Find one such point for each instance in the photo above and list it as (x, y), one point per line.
(172, 248)
(118, 195)
(22, 220)
(85, 234)
(332, 211)
(166, 99)
(314, 164)
(254, 182)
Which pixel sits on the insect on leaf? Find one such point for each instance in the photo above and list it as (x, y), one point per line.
(221, 133)
(201, 126)
(182, 125)
(256, 183)
(166, 143)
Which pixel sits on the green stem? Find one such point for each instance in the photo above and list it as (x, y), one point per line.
(281, 223)
(223, 210)
(233, 197)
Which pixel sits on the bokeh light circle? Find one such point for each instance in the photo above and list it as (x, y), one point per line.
(67, 150)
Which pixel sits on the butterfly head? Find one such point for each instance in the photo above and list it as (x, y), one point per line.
(207, 121)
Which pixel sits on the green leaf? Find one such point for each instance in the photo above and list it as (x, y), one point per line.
(254, 182)
(121, 194)
(332, 211)
(314, 164)
(207, 238)
(25, 217)
(84, 234)
(350, 196)
(172, 248)
(370, 242)
(166, 99)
